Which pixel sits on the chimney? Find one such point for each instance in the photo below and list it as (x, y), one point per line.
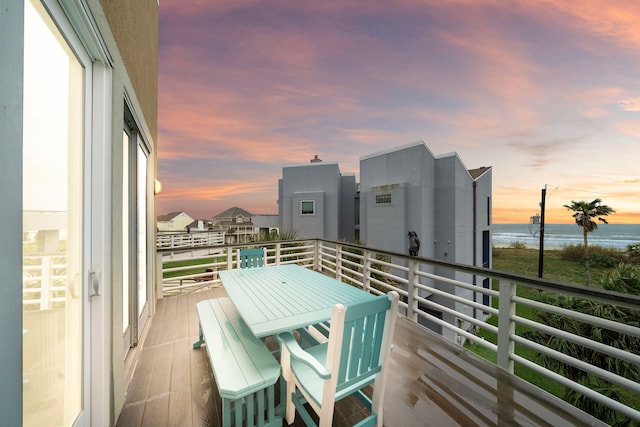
(315, 159)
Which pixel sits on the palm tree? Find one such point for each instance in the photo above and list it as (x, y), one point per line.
(585, 214)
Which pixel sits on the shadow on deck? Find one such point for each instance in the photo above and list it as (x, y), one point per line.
(432, 382)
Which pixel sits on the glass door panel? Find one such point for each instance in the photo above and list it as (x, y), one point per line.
(126, 271)
(142, 234)
(135, 277)
(53, 238)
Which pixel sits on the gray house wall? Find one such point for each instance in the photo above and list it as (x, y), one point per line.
(322, 183)
(408, 174)
(347, 222)
(453, 210)
(438, 199)
(453, 235)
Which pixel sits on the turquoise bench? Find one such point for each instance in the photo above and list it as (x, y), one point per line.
(244, 369)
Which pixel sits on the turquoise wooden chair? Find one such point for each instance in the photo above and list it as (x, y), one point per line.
(356, 355)
(251, 258)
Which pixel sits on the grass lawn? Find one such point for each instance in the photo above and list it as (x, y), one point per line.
(199, 266)
(525, 261)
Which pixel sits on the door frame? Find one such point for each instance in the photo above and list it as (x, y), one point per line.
(82, 35)
(138, 316)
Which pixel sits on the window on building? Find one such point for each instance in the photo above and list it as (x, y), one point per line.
(308, 207)
(488, 210)
(383, 199)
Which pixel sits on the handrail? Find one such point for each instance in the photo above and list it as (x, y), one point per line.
(452, 299)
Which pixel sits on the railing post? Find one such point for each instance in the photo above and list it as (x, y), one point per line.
(229, 258)
(278, 254)
(316, 255)
(366, 271)
(506, 327)
(45, 282)
(159, 276)
(412, 291)
(339, 262)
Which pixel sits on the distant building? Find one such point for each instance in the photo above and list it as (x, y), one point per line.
(316, 201)
(266, 225)
(237, 225)
(408, 189)
(174, 222)
(200, 225)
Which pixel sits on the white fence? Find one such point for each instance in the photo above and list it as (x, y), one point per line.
(189, 240)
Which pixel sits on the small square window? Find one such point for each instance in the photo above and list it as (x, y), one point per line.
(307, 207)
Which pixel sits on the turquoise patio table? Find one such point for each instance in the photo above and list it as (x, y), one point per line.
(282, 298)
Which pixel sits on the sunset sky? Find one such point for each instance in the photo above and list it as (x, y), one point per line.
(547, 93)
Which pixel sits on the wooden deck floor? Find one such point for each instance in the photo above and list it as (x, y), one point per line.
(432, 382)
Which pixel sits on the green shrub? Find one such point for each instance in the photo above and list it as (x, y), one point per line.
(633, 253)
(625, 278)
(572, 253)
(517, 244)
(598, 260)
(598, 255)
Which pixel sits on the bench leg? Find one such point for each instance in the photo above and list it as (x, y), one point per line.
(200, 341)
(226, 413)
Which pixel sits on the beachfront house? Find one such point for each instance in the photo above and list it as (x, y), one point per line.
(236, 223)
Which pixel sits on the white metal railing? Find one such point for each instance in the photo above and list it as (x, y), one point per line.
(193, 239)
(458, 301)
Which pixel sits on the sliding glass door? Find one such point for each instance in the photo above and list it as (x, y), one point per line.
(56, 216)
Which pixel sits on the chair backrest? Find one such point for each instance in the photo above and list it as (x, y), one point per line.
(360, 341)
(251, 258)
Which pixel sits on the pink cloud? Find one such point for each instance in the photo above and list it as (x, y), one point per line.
(618, 21)
(630, 104)
(629, 127)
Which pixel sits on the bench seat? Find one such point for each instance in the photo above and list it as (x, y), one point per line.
(244, 369)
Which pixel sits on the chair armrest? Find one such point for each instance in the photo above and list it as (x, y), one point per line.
(298, 353)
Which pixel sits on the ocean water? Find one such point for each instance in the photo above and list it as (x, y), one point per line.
(556, 236)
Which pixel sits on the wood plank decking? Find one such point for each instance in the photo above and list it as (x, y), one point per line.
(432, 382)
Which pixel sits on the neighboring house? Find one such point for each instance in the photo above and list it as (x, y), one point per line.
(266, 225)
(316, 201)
(78, 125)
(200, 225)
(408, 189)
(174, 222)
(237, 225)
